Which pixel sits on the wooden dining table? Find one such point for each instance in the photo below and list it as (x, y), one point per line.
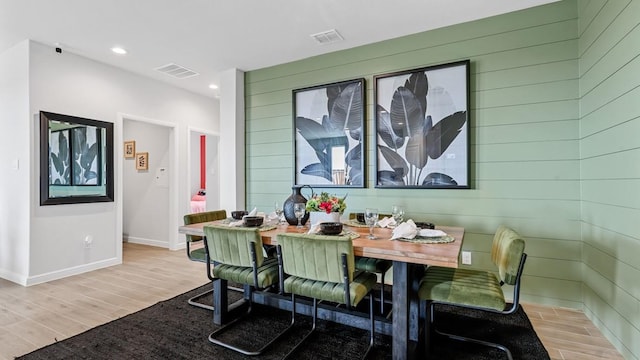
(408, 260)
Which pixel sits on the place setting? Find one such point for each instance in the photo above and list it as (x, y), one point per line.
(250, 219)
(424, 234)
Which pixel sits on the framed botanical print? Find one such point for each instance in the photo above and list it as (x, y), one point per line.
(422, 127)
(329, 134)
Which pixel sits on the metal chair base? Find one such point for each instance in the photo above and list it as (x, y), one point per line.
(213, 336)
(430, 327)
(313, 327)
(194, 300)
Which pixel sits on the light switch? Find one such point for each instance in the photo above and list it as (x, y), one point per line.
(162, 177)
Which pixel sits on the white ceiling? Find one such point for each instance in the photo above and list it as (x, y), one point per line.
(210, 36)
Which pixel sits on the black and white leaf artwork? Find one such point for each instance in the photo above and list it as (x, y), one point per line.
(423, 123)
(329, 121)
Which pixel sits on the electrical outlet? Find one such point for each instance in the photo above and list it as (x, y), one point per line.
(466, 258)
(87, 241)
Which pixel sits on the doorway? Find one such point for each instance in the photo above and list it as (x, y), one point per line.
(203, 170)
(148, 193)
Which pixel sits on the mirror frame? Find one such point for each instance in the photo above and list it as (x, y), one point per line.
(45, 198)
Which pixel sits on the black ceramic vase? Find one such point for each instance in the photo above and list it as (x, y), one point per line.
(296, 197)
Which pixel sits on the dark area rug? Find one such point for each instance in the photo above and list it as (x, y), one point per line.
(172, 329)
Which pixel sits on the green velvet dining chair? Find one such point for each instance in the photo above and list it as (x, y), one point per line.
(198, 253)
(378, 266)
(237, 256)
(477, 289)
(322, 267)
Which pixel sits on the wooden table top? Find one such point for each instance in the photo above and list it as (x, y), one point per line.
(381, 248)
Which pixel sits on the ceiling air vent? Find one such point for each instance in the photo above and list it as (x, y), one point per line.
(327, 37)
(176, 71)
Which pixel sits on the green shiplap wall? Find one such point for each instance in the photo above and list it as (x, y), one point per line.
(609, 52)
(525, 161)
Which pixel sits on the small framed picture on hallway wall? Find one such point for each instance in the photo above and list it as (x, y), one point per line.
(129, 149)
(142, 161)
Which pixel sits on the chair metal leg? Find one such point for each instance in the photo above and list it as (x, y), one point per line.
(313, 327)
(213, 336)
(193, 300)
(382, 293)
(372, 327)
(464, 338)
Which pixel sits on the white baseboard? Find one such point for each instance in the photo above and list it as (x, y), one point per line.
(55, 275)
(143, 241)
(13, 277)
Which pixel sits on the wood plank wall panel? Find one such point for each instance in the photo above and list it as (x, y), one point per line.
(524, 135)
(609, 51)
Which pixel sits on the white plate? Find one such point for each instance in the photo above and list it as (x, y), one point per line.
(427, 233)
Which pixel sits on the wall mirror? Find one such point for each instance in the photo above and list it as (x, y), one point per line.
(76, 160)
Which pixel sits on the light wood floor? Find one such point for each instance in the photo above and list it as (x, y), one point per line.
(39, 315)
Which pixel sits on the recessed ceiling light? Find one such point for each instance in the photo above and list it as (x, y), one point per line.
(213, 86)
(119, 50)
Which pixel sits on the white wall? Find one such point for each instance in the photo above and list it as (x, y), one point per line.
(74, 85)
(15, 147)
(232, 140)
(146, 197)
(213, 173)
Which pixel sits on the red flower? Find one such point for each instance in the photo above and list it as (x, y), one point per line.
(326, 206)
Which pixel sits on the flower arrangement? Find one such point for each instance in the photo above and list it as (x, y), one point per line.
(327, 203)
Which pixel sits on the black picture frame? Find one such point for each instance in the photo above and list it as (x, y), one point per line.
(329, 134)
(83, 158)
(422, 127)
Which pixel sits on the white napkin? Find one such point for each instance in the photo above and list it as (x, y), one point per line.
(253, 212)
(431, 233)
(406, 230)
(387, 222)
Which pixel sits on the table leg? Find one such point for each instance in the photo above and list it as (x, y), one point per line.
(220, 303)
(406, 310)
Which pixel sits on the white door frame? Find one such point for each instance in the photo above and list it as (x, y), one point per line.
(173, 179)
